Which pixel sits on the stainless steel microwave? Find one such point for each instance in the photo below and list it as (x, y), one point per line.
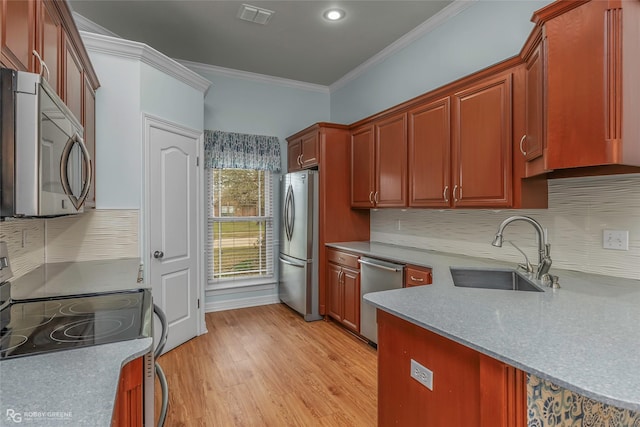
(46, 168)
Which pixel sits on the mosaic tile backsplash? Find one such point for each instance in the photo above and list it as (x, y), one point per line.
(579, 210)
(550, 405)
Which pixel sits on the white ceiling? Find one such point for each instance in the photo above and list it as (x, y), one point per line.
(296, 44)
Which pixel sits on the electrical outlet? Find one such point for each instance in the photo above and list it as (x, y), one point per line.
(615, 239)
(421, 374)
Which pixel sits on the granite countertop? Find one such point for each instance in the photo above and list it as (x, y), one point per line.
(584, 336)
(78, 386)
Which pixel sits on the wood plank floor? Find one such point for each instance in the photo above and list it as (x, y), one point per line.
(266, 366)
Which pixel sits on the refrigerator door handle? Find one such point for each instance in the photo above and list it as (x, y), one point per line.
(292, 263)
(290, 212)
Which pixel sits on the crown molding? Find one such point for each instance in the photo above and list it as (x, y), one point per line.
(144, 53)
(85, 24)
(427, 26)
(262, 78)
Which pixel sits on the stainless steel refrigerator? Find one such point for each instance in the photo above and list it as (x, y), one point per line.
(298, 285)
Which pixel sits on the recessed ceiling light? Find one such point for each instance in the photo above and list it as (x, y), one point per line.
(333, 14)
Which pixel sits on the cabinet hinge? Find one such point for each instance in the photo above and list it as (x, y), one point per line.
(197, 160)
(198, 302)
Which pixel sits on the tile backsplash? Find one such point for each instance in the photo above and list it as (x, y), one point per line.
(579, 210)
(94, 235)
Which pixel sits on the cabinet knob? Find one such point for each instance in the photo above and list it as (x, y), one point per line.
(158, 254)
(524, 137)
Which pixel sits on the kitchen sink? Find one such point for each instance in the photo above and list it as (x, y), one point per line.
(487, 278)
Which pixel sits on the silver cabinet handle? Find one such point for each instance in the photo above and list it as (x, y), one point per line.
(341, 277)
(300, 160)
(158, 254)
(417, 279)
(455, 188)
(524, 153)
(375, 197)
(371, 197)
(43, 65)
(445, 194)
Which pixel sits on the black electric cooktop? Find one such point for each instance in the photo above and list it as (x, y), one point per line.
(53, 324)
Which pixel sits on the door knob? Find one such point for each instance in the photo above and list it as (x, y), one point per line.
(158, 254)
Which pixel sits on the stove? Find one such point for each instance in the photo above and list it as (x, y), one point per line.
(60, 323)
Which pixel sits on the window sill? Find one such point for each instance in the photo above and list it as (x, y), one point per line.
(244, 283)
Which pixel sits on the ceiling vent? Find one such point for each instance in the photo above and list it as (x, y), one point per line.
(254, 14)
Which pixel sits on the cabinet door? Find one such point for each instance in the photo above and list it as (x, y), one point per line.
(532, 142)
(89, 123)
(128, 406)
(310, 150)
(73, 82)
(49, 42)
(294, 151)
(334, 291)
(18, 34)
(362, 167)
(430, 155)
(482, 144)
(391, 162)
(351, 301)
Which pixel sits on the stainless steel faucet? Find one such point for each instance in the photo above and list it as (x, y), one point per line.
(544, 248)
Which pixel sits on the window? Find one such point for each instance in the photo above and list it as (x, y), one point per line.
(240, 224)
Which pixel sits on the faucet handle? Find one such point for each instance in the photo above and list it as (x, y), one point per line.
(527, 265)
(550, 281)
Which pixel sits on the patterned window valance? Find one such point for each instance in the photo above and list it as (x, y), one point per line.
(241, 151)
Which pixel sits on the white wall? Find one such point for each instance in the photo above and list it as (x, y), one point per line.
(485, 33)
(118, 132)
(253, 104)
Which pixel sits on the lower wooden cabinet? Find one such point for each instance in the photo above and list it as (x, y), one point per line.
(417, 276)
(468, 389)
(128, 410)
(343, 290)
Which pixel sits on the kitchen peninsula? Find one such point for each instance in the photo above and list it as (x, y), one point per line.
(582, 337)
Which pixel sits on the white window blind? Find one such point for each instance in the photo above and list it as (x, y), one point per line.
(240, 224)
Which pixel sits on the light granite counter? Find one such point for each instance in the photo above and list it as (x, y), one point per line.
(74, 387)
(584, 337)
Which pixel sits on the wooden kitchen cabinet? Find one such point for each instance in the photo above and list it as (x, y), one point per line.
(18, 28)
(128, 409)
(532, 143)
(481, 144)
(303, 151)
(73, 83)
(469, 389)
(417, 276)
(384, 178)
(589, 61)
(430, 154)
(343, 278)
(49, 43)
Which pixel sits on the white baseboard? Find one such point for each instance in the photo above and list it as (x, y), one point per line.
(232, 304)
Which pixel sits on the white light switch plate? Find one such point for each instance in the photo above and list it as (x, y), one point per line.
(615, 239)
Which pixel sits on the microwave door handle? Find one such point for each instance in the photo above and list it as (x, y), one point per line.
(64, 176)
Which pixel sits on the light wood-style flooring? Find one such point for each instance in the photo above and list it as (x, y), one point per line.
(266, 366)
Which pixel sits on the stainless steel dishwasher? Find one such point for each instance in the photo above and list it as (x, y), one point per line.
(376, 275)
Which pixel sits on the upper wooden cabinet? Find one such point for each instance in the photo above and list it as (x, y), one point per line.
(89, 124)
(18, 27)
(481, 144)
(73, 79)
(532, 142)
(49, 43)
(303, 151)
(587, 58)
(460, 147)
(430, 154)
(379, 163)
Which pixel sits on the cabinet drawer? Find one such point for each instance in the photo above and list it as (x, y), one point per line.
(343, 258)
(416, 276)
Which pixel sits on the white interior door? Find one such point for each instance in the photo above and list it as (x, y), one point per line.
(173, 227)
